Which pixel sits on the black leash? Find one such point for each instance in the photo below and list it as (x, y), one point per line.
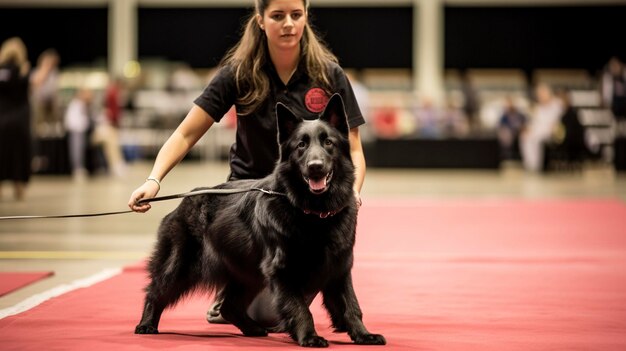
(209, 191)
(66, 216)
(154, 199)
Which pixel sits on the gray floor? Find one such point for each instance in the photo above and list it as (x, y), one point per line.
(77, 248)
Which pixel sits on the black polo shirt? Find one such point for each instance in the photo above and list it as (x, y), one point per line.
(255, 151)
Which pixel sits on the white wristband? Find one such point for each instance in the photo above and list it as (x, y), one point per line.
(154, 180)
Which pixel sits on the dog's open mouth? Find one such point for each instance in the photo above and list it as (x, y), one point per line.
(319, 185)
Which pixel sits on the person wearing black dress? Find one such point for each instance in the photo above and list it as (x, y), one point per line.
(15, 140)
(15, 114)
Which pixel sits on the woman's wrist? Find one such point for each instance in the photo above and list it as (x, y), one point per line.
(155, 180)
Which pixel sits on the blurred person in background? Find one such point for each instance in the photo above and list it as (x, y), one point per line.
(453, 122)
(105, 136)
(78, 124)
(15, 134)
(613, 90)
(511, 124)
(428, 119)
(279, 58)
(471, 101)
(545, 117)
(614, 87)
(106, 131)
(15, 114)
(45, 98)
(571, 133)
(113, 101)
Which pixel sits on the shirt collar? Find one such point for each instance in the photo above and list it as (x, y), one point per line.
(273, 74)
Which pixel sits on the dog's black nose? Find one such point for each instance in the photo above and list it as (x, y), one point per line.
(315, 166)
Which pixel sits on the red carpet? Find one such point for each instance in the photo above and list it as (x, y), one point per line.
(11, 281)
(430, 275)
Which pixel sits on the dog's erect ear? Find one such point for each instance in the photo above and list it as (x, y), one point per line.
(287, 122)
(335, 114)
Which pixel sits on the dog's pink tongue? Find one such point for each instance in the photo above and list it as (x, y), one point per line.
(317, 184)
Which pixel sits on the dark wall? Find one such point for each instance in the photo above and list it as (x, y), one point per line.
(505, 37)
(374, 37)
(198, 36)
(360, 37)
(78, 34)
(533, 37)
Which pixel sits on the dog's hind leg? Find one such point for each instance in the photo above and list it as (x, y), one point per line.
(152, 309)
(345, 313)
(236, 301)
(172, 274)
(157, 299)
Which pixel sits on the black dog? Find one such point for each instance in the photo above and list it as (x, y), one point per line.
(295, 243)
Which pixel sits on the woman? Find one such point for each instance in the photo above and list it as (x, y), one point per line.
(278, 59)
(15, 139)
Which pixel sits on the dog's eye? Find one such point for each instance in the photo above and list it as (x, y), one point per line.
(302, 144)
(328, 142)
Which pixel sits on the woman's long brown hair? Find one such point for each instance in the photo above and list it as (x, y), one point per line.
(248, 57)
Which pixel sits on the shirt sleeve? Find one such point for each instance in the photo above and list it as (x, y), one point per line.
(220, 95)
(344, 88)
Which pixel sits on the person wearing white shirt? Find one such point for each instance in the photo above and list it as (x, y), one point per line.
(77, 122)
(544, 119)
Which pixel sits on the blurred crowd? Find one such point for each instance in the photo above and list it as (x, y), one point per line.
(32, 112)
(530, 127)
(90, 119)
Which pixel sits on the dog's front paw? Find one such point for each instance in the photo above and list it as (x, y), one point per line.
(146, 329)
(370, 339)
(313, 341)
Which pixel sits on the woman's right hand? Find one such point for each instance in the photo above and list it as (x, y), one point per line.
(148, 190)
(191, 129)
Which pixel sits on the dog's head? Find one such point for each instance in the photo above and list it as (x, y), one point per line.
(318, 149)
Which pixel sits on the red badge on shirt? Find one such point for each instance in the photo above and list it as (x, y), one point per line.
(316, 100)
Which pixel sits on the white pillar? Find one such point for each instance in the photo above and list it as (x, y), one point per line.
(428, 48)
(122, 34)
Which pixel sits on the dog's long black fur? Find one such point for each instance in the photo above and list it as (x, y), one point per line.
(296, 244)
